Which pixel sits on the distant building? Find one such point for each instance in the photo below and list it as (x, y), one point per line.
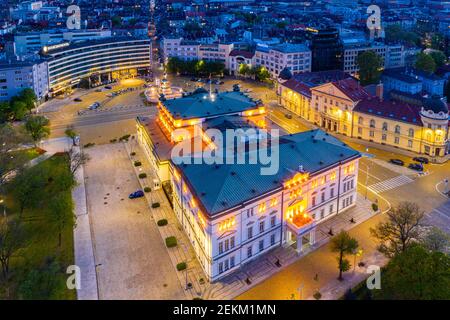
(33, 42)
(110, 58)
(18, 75)
(327, 50)
(295, 57)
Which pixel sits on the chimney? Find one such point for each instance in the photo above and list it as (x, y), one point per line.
(379, 91)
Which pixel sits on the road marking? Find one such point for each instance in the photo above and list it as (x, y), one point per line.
(390, 184)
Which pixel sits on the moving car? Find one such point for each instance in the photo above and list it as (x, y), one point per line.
(77, 100)
(136, 194)
(397, 162)
(416, 166)
(94, 106)
(108, 87)
(421, 159)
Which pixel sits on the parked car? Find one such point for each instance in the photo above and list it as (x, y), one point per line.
(193, 79)
(136, 194)
(77, 100)
(94, 106)
(397, 162)
(421, 159)
(108, 87)
(416, 166)
(288, 115)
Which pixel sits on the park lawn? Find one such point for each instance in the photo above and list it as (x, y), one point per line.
(38, 271)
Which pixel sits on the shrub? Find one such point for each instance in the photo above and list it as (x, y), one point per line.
(133, 154)
(171, 242)
(155, 205)
(181, 266)
(374, 207)
(201, 281)
(142, 175)
(147, 189)
(317, 295)
(90, 144)
(113, 140)
(125, 137)
(162, 222)
(137, 163)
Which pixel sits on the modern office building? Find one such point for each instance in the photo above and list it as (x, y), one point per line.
(110, 58)
(327, 50)
(33, 42)
(18, 75)
(294, 57)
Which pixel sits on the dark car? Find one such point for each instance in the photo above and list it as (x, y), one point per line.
(108, 87)
(397, 162)
(193, 79)
(77, 100)
(136, 194)
(421, 159)
(288, 115)
(416, 166)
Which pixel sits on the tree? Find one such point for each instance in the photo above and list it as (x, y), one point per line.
(26, 188)
(37, 127)
(5, 112)
(395, 33)
(343, 244)
(370, 66)
(61, 210)
(425, 63)
(438, 57)
(116, 21)
(244, 69)
(11, 139)
(400, 230)
(72, 134)
(261, 73)
(414, 274)
(76, 159)
(28, 97)
(435, 240)
(11, 240)
(18, 110)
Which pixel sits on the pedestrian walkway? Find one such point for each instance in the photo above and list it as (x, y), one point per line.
(250, 274)
(390, 184)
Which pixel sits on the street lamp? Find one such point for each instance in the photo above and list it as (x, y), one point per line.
(4, 207)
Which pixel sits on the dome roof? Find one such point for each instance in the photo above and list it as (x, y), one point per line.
(285, 74)
(435, 104)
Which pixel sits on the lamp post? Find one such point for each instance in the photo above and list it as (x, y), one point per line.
(4, 207)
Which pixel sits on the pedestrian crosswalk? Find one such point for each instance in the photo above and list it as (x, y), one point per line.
(390, 184)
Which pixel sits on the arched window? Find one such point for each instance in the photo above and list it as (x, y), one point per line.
(397, 129)
(411, 132)
(385, 126)
(372, 123)
(360, 120)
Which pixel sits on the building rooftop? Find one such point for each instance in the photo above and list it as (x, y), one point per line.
(390, 109)
(225, 186)
(352, 89)
(201, 104)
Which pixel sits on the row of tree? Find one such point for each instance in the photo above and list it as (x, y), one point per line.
(18, 107)
(256, 72)
(195, 67)
(418, 267)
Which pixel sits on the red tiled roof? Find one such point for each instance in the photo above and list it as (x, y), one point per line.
(245, 54)
(351, 88)
(297, 86)
(395, 110)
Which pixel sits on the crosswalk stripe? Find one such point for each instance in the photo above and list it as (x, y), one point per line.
(390, 184)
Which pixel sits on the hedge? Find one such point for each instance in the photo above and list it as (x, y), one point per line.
(137, 163)
(171, 242)
(181, 266)
(142, 175)
(162, 222)
(155, 205)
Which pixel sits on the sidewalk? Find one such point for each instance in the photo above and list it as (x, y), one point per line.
(257, 270)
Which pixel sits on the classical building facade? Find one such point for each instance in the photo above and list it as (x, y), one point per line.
(345, 107)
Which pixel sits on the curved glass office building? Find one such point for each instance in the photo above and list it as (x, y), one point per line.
(112, 58)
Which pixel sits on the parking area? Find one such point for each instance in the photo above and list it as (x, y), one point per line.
(131, 258)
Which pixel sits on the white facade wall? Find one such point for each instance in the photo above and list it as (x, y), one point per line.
(275, 61)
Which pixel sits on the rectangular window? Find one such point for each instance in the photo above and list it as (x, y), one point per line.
(227, 266)
(331, 192)
(250, 232)
(220, 267)
(371, 133)
(396, 140)
(261, 226)
(331, 209)
(322, 213)
(227, 245)
(232, 242)
(383, 137)
(261, 245)
(272, 221)
(410, 143)
(231, 262)
(249, 251)
(272, 239)
(322, 197)
(220, 247)
(313, 201)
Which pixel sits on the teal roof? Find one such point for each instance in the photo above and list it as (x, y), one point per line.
(201, 105)
(225, 186)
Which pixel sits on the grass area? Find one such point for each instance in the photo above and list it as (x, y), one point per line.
(25, 155)
(38, 270)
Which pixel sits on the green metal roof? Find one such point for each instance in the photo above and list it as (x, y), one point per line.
(204, 105)
(224, 186)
